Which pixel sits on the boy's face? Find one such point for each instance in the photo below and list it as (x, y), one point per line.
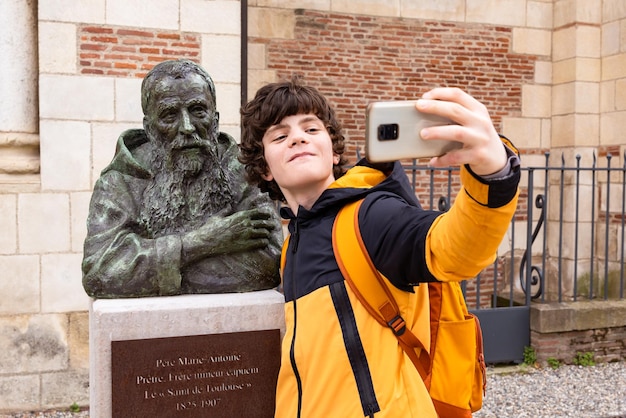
(299, 156)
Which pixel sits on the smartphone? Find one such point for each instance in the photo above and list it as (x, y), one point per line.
(392, 132)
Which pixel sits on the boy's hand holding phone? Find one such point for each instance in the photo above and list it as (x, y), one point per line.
(446, 124)
(482, 148)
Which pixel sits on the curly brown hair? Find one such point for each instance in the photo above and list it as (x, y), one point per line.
(271, 104)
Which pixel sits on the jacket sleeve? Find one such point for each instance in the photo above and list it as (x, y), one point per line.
(410, 245)
(463, 241)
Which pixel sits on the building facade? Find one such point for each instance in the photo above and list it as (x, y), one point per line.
(552, 73)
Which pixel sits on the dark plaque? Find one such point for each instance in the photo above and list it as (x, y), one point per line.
(218, 375)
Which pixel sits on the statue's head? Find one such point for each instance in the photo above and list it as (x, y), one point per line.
(179, 106)
(175, 69)
(181, 121)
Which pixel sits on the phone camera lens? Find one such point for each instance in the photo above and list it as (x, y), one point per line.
(388, 132)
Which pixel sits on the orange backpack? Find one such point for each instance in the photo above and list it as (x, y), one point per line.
(453, 367)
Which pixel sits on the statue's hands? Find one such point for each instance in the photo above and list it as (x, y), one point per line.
(242, 231)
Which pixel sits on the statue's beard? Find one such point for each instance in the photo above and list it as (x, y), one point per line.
(188, 185)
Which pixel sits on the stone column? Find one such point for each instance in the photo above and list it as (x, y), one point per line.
(576, 77)
(19, 141)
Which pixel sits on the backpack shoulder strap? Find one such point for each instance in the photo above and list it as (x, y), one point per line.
(283, 256)
(368, 285)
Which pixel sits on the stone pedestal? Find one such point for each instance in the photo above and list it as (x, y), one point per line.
(150, 322)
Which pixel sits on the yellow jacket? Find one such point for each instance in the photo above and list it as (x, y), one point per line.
(337, 360)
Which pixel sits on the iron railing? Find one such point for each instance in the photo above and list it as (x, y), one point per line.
(572, 241)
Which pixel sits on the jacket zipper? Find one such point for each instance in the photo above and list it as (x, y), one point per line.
(295, 238)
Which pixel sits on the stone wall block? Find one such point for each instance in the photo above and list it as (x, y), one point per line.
(300, 4)
(566, 242)
(216, 17)
(609, 96)
(564, 44)
(524, 132)
(539, 14)
(65, 152)
(577, 69)
(19, 286)
(228, 104)
(451, 10)
(103, 141)
(497, 12)
(8, 226)
(536, 101)
(573, 196)
(614, 67)
(32, 344)
(87, 11)
(270, 23)
(221, 57)
(587, 97)
(610, 38)
(543, 72)
(368, 7)
(532, 41)
(576, 11)
(78, 340)
(575, 130)
(162, 14)
(588, 41)
(77, 98)
(256, 57)
(43, 223)
(257, 79)
(128, 100)
(61, 283)
(57, 48)
(62, 389)
(19, 392)
(546, 131)
(564, 99)
(620, 94)
(613, 9)
(612, 128)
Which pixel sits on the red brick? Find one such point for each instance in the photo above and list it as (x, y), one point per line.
(149, 50)
(125, 65)
(104, 39)
(96, 29)
(134, 32)
(175, 36)
(92, 47)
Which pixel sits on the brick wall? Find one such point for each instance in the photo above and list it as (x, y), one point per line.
(356, 59)
(606, 344)
(129, 52)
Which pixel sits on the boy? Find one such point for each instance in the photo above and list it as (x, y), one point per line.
(337, 361)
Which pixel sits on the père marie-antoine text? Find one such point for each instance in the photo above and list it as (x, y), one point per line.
(197, 361)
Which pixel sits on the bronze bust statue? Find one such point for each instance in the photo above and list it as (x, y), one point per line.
(172, 213)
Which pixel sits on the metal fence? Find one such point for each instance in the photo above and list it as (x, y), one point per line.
(566, 241)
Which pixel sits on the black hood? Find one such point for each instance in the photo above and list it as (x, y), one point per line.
(355, 185)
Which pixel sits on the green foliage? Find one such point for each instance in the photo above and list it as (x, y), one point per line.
(530, 356)
(554, 363)
(584, 359)
(74, 407)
